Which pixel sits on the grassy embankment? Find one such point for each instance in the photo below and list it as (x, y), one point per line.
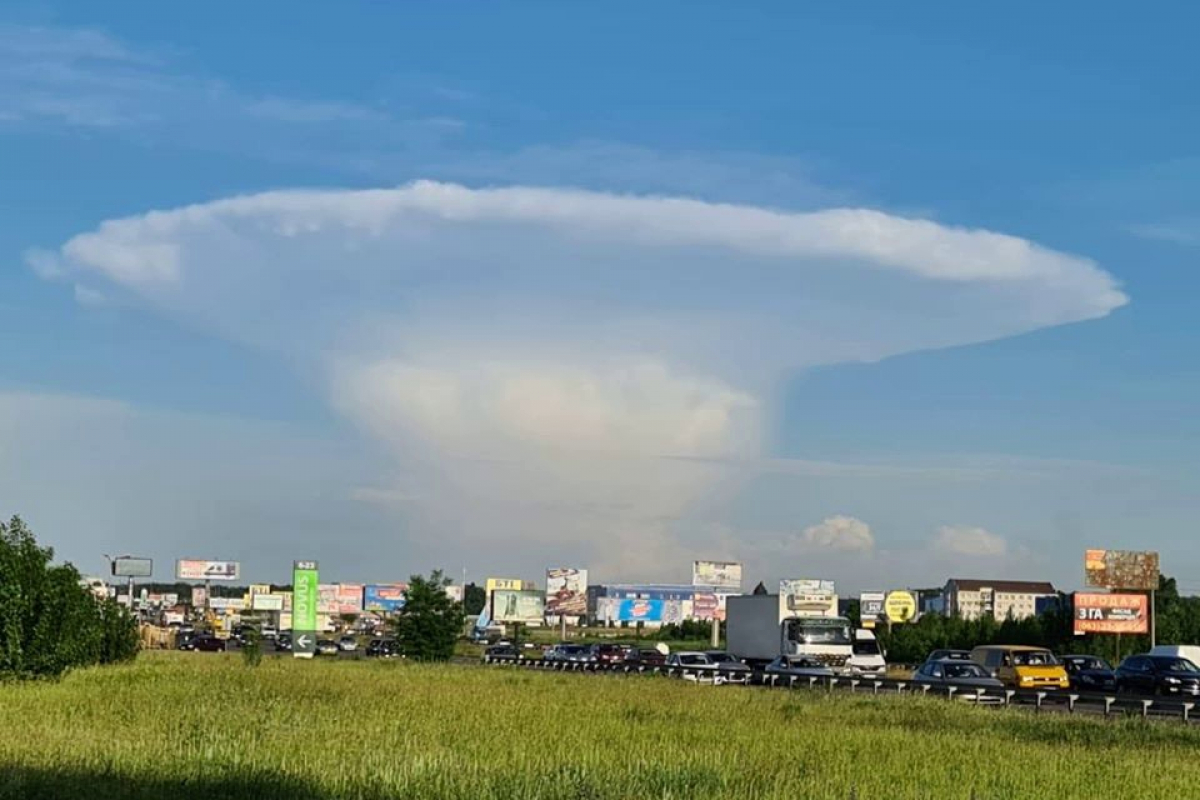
(181, 725)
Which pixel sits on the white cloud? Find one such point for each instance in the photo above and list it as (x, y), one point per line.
(574, 370)
(969, 541)
(1179, 231)
(841, 533)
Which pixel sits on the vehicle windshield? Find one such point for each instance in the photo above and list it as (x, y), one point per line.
(964, 671)
(1034, 658)
(692, 660)
(819, 632)
(1087, 664)
(1173, 664)
(721, 658)
(866, 647)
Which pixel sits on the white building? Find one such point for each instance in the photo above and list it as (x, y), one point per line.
(972, 599)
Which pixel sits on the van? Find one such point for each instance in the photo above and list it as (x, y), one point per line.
(1022, 667)
(1189, 651)
(868, 658)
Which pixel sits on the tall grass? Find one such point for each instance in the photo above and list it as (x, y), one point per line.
(178, 726)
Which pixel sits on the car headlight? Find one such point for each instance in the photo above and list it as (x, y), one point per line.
(1172, 681)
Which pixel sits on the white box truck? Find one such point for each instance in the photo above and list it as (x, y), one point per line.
(756, 633)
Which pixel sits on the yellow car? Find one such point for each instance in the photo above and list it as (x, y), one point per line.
(1022, 667)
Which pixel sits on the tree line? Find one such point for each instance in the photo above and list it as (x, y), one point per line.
(49, 622)
(1177, 622)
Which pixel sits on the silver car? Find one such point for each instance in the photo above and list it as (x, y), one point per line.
(730, 667)
(798, 667)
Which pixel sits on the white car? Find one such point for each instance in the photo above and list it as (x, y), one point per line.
(347, 644)
(694, 666)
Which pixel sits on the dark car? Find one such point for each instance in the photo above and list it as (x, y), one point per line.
(608, 653)
(383, 648)
(563, 653)
(283, 643)
(955, 672)
(183, 641)
(1089, 674)
(943, 655)
(1159, 675)
(733, 669)
(503, 652)
(648, 658)
(207, 643)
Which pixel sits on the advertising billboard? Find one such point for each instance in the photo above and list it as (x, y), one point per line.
(350, 598)
(635, 610)
(870, 608)
(1121, 569)
(706, 606)
(717, 574)
(227, 603)
(130, 567)
(199, 596)
(518, 605)
(807, 597)
(327, 598)
(1111, 613)
(384, 597)
(305, 593)
(192, 569)
(455, 593)
(266, 602)
(515, 584)
(566, 592)
(900, 606)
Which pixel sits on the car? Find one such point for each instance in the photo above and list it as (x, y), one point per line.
(383, 648)
(644, 658)
(693, 666)
(796, 667)
(1089, 674)
(283, 642)
(207, 643)
(608, 653)
(183, 641)
(503, 652)
(269, 631)
(1021, 666)
(347, 644)
(733, 669)
(327, 647)
(957, 655)
(563, 653)
(1163, 675)
(955, 672)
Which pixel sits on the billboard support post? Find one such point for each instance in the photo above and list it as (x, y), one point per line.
(715, 641)
(131, 594)
(1153, 619)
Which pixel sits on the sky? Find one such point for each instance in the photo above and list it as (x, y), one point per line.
(885, 295)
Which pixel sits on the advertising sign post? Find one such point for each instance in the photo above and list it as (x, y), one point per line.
(304, 608)
(1124, 570)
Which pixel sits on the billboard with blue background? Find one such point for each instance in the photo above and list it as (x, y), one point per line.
(384, 597)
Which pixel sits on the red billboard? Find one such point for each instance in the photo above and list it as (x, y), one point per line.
(1111, 613)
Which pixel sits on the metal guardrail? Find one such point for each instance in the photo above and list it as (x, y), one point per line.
(1071, 702)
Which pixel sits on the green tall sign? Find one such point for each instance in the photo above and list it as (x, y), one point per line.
(304, 608)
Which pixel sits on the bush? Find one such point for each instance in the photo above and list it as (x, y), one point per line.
(251, 648)
(48, 621)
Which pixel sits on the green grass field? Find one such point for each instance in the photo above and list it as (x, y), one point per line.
(188, 725)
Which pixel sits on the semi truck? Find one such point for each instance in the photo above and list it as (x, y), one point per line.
(759, 629)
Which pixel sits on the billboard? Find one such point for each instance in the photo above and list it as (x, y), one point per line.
(1111, 613)
(718, 574)
(566, 592)
(634, 610)
(327, 598)
(870, 607)
(199, 596)
(305, 593)
(384, 597)
(455, 593)
(518, 605)
(807, 597)
(227, 603)
(515, 584)
(350, 598)
(191, 569)
(1121, 569)
(900, 606)
(130, 567)
(266, 602)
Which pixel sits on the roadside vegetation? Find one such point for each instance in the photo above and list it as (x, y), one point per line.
(49, 623)
(184, 726)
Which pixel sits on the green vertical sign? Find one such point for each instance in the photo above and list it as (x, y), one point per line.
(304, 608)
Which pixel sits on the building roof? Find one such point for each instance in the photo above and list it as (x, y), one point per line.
(1009, 587)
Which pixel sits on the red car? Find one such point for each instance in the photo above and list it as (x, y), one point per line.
(608, 653)
(648, 658)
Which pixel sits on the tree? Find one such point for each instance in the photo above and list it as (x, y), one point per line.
(431, 621)
(474, 599)
(48, 621)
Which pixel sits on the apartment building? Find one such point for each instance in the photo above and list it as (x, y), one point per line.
(972, 599)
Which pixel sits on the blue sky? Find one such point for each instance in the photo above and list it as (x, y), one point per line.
(786, 370)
